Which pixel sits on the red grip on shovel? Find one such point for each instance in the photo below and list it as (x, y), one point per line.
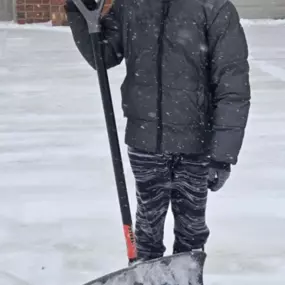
(131, 243)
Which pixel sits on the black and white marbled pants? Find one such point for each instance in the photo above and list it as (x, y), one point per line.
(162, 179)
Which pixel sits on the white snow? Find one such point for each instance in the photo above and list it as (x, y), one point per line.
(42, 26)
(59, 215)
(262, 22)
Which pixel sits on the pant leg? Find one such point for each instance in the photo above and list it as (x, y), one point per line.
(153, 197)
(189, 201)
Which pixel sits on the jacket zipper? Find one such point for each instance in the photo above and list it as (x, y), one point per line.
(164, 14)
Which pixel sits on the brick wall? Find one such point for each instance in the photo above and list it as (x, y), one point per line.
(38, 11)
(33, 11)
(58, 16)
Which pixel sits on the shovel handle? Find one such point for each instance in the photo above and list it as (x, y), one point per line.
(93, 20)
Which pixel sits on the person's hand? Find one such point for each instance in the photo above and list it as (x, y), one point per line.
(71, 7)
(219, 173)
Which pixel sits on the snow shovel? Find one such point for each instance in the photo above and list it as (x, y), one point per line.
(179, 269)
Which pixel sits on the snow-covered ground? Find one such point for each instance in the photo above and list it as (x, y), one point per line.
(59, 216)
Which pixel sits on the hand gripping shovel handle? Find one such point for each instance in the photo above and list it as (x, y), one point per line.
(93, 21)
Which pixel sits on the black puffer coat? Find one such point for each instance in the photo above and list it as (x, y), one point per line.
(187, 85)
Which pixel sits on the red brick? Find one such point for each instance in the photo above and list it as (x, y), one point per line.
(20, 8)
(35, 15)
(21, 21)
(55, 9)
(33, 2)
(57, 2)
(29, 8)
(58, 19)
(42, 8)
(61, 9)
(107, 6)
(106, 9)
(38, 11)
(21, 15)
(46, 15)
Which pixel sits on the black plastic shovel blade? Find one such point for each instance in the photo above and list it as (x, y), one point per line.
(180, 269)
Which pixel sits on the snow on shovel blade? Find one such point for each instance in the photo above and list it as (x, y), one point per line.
(180, 269)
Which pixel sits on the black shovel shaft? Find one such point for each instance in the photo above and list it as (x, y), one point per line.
(97, 44)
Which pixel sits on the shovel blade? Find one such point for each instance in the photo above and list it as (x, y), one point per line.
(180, 269)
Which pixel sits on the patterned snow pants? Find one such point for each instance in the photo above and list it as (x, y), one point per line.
(162, 179)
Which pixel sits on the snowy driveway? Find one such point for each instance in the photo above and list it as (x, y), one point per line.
(59, 218)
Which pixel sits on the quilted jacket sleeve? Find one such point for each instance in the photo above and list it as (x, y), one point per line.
(230, 85)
